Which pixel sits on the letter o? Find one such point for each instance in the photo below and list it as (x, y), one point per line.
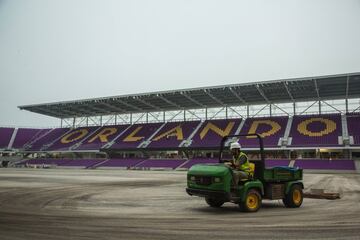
(74, 136)
(330, 126)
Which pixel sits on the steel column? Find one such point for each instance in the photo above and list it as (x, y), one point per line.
(294, 108)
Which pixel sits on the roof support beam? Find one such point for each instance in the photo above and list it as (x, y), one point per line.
(347, 87)
(338, 110)
(115, 108)
(49, 112)
(82, 119)
(175, 115)
(95, 121)
(235, 111)
(308, 107)
(100, 110)
(61, 112)
(124, 120)
(168, 101)
(213, 97)
(259, 111)
(288, 91)
(148, 104)
(66, 121)
(111, 118)
(83, 109)
(262, 93)
(154, 116)
(347, 94)
(237, 96)
(74, 111)
(193, 100)
(316, 89)
(129, 105)
(214, 115)
(281, 109)
(356, 109)
(193, 113)
(138, 119)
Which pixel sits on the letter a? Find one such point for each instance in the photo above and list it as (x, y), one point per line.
(176, 131)
(216, 129)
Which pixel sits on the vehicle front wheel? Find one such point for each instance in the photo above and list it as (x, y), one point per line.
(216, 203)
(294, 198)
(252, 201)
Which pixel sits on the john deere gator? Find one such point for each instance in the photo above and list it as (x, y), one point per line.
(214, 182)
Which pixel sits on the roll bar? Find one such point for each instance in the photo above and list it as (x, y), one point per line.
(261, 145)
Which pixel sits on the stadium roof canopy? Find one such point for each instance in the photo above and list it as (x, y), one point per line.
(341, 86)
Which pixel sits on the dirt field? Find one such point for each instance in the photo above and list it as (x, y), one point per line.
(119, 204)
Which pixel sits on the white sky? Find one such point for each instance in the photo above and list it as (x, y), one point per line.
(71, 49)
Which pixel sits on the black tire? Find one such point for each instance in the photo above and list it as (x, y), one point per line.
(294, 198)
(215, 203)
(252, 201)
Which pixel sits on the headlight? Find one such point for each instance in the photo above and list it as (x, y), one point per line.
(217, 180)
(192, 178)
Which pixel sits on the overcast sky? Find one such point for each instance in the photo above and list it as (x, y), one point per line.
(71, 49)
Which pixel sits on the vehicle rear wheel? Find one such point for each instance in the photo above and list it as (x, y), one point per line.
(252, 201)
(294, 198)
(216, 203)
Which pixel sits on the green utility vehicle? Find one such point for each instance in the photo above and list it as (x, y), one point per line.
(214, 182)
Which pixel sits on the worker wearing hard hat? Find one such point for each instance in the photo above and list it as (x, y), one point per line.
(239, 163)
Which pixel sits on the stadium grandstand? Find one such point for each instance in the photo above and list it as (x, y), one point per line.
(312, 123)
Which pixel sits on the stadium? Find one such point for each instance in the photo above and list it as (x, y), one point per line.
(173, 120)
(116, 165)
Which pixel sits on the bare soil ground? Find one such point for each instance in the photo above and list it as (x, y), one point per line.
(120, 204)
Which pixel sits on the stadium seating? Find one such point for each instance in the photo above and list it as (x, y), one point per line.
(271, 129)
(120, 163)
(316, 130)
(5, 137)
(325, 164)
(83, 163)
(63, 162)
(26, 135)
(101, 137)
(353, 123)
(194, 161)
(140, 163)
(212, 131)
(45, 161)
(47, 138)
(172, 134)
(161, 163)
(71, 138)
(135, 135)
(311, 131)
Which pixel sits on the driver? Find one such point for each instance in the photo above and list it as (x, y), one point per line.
(239, 163)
